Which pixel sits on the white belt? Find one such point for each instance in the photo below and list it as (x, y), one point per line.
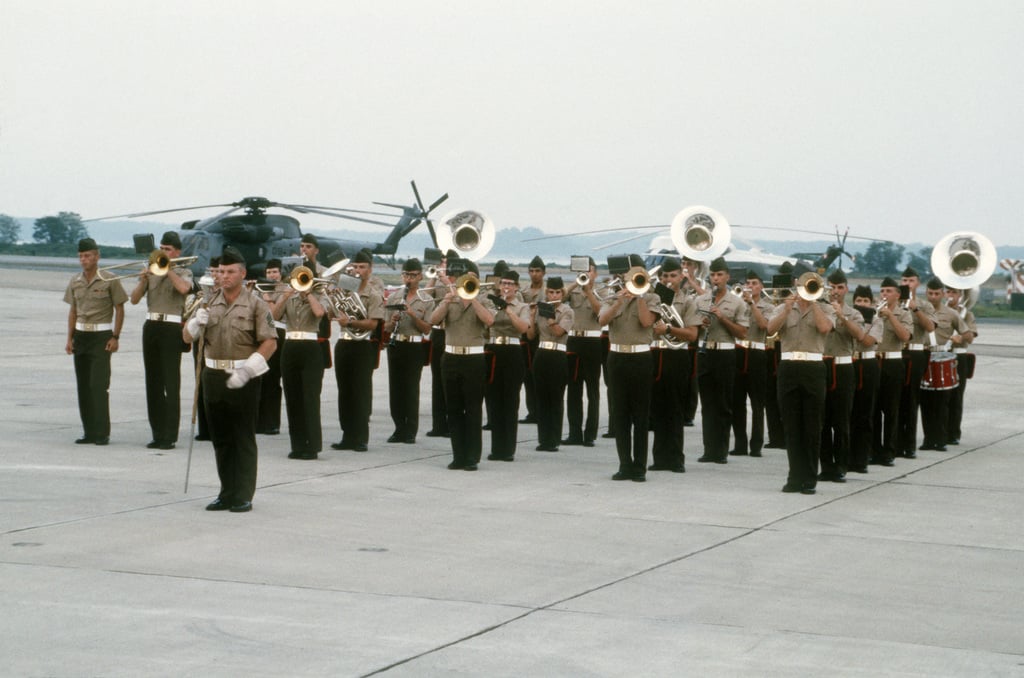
(842, 359)
(551, 345)
(585, 333)
(464, 350)
(408, 338)
(758, 345)
(915, 347)
(506, 341)
(667, 345)
(164, 317)
(347, 336)
(295, 334)
(629, 348)
(864, 355)
(215, 364)
(959, 350)
(720, 346)
(890, 355)
(800, 355)
(280, 325)
(94, 327)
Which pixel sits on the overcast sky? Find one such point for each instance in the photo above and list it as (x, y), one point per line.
(898, 119)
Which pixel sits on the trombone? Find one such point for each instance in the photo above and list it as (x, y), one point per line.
(468, 286)
(810, 286)
(158, 264)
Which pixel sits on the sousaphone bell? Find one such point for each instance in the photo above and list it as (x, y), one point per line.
(963, 259)
(468, 232)
(701, 233)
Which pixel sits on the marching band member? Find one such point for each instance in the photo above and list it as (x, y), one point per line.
(531, 295)
(95, 317)
(511, 321)
(673, 371)
(500, 269)
(693, 285)
(897, 328)
(355, 358)
(802, 326)
(405, 353)
(839, 348)
(752, 368)
(866, 371)
(268, 421)
(916, 360)
(302, 368)
(550, 367)
(586, 356)
(239, 337)
(202, 426)
(725, 320)
(964, 363)
(161, 342)
(935, 402)
(629, 319)
(438, 287)
(466, 322)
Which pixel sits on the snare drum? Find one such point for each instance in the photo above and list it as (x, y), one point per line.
(941, 374)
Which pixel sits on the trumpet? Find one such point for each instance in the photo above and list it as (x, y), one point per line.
(583, 279)
(431, 271)
(158, 264)
(810, 286)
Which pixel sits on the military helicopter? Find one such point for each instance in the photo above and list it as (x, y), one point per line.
(260, 235)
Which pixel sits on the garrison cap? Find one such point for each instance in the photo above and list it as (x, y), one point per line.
(363, 257)
(537, 262)
(837, 278)
(311, 239)
(863, 291)
(412, 265)
(231, 255)
(909, 272)
(752, 275)
(888, 282)
(719, 264)
(273, 263)
(555, 282)
(935, 284)
(511, 275)
(171, 238)
(636, 260)
(669, 264)
(500, 268)
(87, 245)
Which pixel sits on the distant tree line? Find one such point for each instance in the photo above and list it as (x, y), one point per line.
(886, 258)
(66, 227)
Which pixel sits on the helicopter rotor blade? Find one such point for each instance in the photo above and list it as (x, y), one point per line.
(303, 208)
(209, 220)
(425, 212)
(152, 212)
(601, 230)
(436, 203)
(310, 210)
(619, 242)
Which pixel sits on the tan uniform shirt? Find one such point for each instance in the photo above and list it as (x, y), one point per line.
(890, 342)
(584, 317)
(947, 323)
(972, 326)
(502, 326)
(373, 301)
(417, 308)
(161, 295)
(800, 331)
(625, 327)
(754, 331)
(94, 301)
(920, 334)
(732, 307)
(839, 341)
(563, 318)
(462, 326)
(236, 330)
(298, 315)
(532, 296)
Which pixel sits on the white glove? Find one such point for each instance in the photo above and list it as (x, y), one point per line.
(254, 366)
(198, 320)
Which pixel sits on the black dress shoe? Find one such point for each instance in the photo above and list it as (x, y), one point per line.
(160, 445)
(487, 427)
(622, 475)
(790, 488)
(678, 469)
(359, 448)
(343, 445)
(755, 454)
(217, 505)
(588, 443)
(455, 466)
(527, 420)
(202, 438)
(409, 440)
(84, 440)
(838, 478)
(609, 434)
(101, 441)
(437, 434)
(939, 448)
(470, 467)
(734, 453)
(573, 441)
(271, 432)
(688, 422)
(244, 507)
(807, 490)
(859, 469)
(639, 478)
(954, 441)
(395, 438)
(302, 455)
(657, 467)
(913, 455)
(493, 457)
(705, 459)
(721, 460)
(546, 448)
(924, 446)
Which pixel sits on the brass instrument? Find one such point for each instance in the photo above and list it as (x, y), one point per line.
(431, 271)
(701, 233)
(197, 300)
(468, 286)
(810, 286)
(638, 280)
(964, 260)
(583, 279)
(348, 302)
(158, 264)
(671, 317)
(467, 232)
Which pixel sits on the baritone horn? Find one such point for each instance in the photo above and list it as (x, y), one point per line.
(701, 233)
(964, 259)
(810, 286)
(467, 232)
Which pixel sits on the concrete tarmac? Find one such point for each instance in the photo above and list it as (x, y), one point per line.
(386, 563)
